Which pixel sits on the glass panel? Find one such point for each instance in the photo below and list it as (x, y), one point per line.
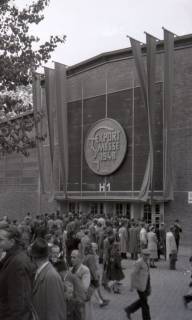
(157, 209)
(147, 213)
(72, 207)
(128, 211)
(77, 207)
(101, 208)
(94, 208)
(119, 209)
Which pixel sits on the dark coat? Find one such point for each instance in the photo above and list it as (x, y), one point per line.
(134, 240)
(114, 268)
(91, 263)
(15, 286)
(48, 295)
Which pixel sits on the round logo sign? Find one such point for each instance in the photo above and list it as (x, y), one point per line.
(105, 146)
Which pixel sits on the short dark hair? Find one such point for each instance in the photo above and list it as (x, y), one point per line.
(13, 233)
(172, 228)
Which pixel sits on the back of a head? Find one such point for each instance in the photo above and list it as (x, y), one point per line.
(13, 233)
(14, 237)
(172, 228)
(4, 224)
(39, 249)
(88, 249)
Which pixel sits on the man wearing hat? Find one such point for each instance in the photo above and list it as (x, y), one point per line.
(16, 273)
(140, 280)
(48, 291)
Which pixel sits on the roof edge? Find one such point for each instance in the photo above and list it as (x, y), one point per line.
(180, 41)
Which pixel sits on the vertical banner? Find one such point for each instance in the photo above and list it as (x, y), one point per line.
(133, 139)
(50, 104)
(82, 135)
(168, 102)
(62, 119)
(151, 72)
(137, 54)
(147, 87)
(37, 107)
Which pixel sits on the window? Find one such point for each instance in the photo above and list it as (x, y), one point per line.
(101, 208)
(147, 213)
(94, 208)
(77, 207)
(157, 209)
(72, 207)
(119, 209)
(157, 214)
(128, 211)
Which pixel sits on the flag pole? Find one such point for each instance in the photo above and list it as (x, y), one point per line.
(164, 29)
(133, 134)
(129, 37)
(82, 138)
(149, 34)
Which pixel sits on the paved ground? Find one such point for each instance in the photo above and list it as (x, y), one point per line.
(166, 302)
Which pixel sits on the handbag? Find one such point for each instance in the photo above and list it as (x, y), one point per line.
(89, 293)
(95, 283)
(32, 310)
(34, 313)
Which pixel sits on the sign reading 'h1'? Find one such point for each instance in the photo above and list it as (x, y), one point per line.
(105, 146)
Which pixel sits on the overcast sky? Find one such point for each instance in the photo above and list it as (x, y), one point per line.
(94, 27)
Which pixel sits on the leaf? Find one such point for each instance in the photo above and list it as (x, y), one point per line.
(18, 59)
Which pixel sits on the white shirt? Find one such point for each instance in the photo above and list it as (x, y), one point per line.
(143, 235)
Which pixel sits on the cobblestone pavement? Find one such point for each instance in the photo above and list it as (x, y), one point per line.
(165, 302)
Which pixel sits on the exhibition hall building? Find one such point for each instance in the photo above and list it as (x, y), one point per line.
(105, 152)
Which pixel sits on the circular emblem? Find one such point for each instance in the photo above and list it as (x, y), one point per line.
(105, 146)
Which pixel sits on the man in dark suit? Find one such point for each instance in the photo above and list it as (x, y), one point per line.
(48, 290)
(140, 280)
(15, 277)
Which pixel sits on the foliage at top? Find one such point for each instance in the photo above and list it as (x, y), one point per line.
(17, 54)
(21, 53)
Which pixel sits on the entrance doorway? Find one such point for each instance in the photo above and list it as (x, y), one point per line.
(153, 213)
(150, 213)
(97, 208)
(123, 210)
(73, 207)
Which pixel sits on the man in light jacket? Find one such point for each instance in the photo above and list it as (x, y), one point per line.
(140, 280)
(171, 248)
(83, 273)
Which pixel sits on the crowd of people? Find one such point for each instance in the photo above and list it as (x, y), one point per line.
(52, 265)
